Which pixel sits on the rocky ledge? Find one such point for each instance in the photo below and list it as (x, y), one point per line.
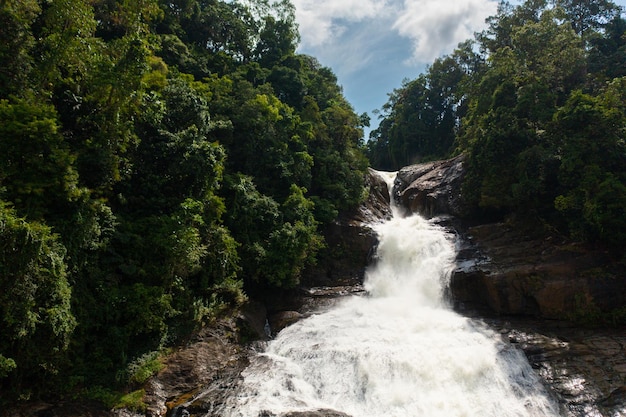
(511, 269)
(431, 188)
(583, 368)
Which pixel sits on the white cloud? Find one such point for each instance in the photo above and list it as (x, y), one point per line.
(359, 46)
(436, 27)
(322, 21)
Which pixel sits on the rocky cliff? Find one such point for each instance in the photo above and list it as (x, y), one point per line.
(512, 267)
(508, 268)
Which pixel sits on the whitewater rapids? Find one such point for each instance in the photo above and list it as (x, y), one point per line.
(399, 351)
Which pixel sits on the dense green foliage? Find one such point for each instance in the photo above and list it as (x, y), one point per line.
(421, 120)
(157, 159)
(537, 104)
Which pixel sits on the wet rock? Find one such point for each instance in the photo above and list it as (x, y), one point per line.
(432, 188)
(282, 319)
(377, 206)
(581, 367)
(348, 251)
(316, 413)
(197, 378)
(253, 322)
(507, 268)
(511, 267)
(617, 398)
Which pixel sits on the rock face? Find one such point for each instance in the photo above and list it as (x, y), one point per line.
(199, 377)
(508, 270)
(432, 188)
(318, 413)
(583, 368)
(376, 207)
(511, 268)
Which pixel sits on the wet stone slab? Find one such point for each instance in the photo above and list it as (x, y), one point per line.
(585, 369)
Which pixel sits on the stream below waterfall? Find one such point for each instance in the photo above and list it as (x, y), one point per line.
(397, 351)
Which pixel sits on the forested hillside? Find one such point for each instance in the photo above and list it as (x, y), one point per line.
(157, 158)
(537, 102)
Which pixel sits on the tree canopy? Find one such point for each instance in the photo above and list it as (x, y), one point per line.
(158, 159)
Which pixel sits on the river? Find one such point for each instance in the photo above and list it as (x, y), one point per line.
(398, 351)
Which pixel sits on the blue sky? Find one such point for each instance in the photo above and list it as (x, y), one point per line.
(372, 45)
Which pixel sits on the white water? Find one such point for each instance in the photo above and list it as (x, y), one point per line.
(399, 352)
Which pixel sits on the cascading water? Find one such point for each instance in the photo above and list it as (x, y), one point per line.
(400, 351)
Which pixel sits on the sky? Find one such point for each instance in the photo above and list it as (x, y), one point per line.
(373, 45)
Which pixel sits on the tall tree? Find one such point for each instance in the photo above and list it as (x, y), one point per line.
(593, 157)
(588, 16)
(35, 313)
(607, 53)
(36, 165)
(16, 42)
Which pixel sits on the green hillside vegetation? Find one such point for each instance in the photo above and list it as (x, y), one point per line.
(537, 103)
(157, 158)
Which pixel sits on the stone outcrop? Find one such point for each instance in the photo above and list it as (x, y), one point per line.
(317, 413)
(510, 269)
(197, 379)
(584, 368)
(376, 206)
(432, 188)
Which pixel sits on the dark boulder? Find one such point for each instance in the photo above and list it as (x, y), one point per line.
(315, 413)
(376, 207)
(281, 319)
(199, 377)
(432, 188)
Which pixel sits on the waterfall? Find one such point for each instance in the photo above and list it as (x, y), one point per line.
(400, 351)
